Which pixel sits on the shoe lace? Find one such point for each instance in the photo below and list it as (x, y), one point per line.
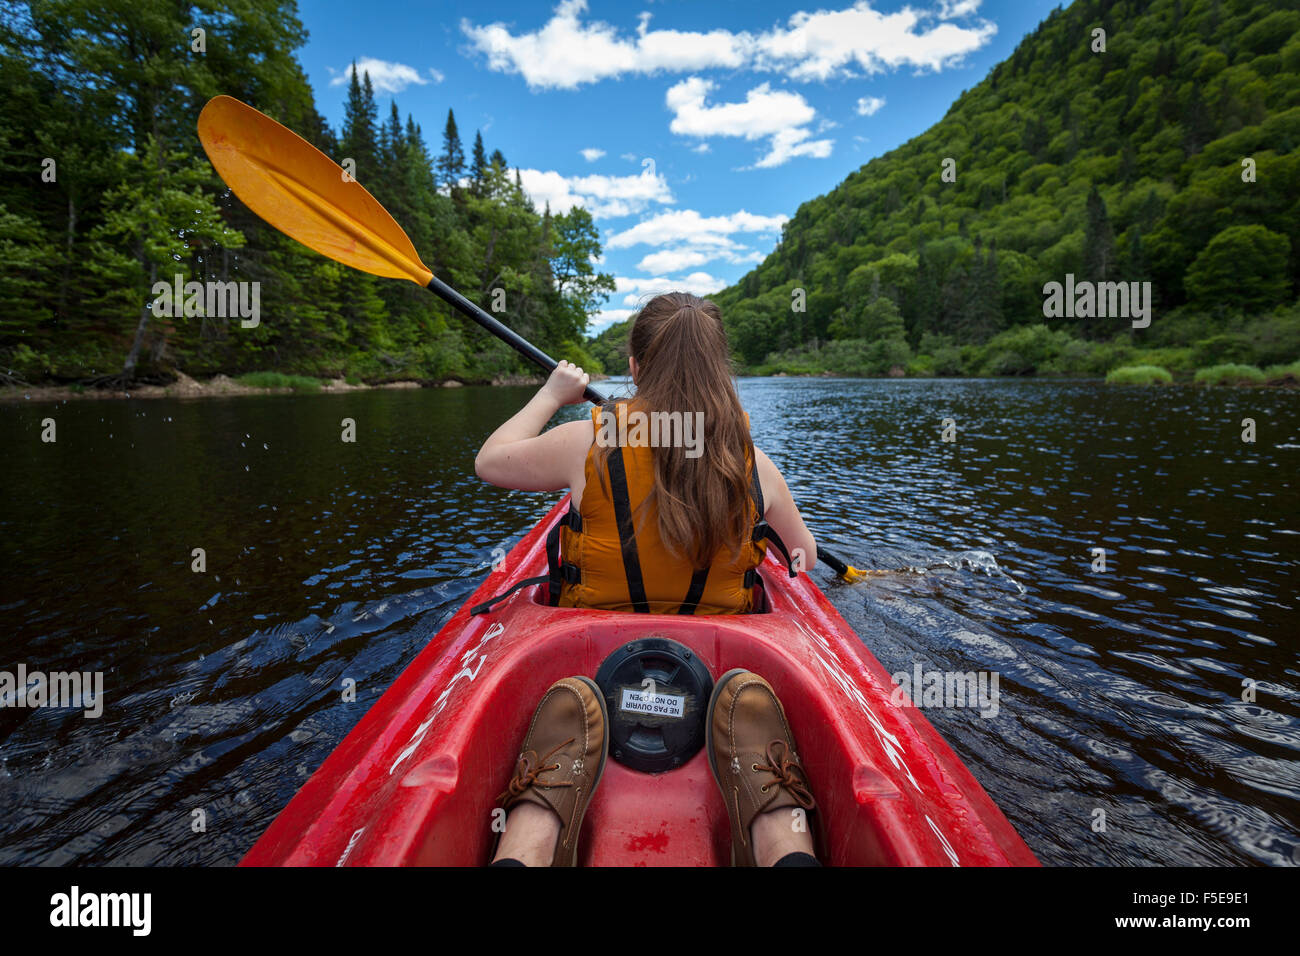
(789, 774)
(528, 769)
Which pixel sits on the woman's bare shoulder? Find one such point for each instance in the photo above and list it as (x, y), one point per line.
(770, 478)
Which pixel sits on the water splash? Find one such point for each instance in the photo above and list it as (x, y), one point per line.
(978, 561)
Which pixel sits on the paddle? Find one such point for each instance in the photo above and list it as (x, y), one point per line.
(844, 570)
(307, 196)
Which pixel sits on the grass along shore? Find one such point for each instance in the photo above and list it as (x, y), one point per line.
(277, 383)
(221, 386)
(1226, 374)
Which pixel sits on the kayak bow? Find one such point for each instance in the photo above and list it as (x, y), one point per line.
(416, 781)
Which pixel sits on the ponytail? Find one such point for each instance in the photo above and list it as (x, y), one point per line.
(684, 365)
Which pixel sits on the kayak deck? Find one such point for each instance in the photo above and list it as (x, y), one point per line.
(416, 781)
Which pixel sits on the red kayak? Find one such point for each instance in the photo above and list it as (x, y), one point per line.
(416, 782)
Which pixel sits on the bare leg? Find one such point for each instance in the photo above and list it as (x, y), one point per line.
(775, 836)
(530, 835)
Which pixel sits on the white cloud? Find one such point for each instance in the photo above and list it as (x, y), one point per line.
(790, 143)
(779, 114)
(688, 226)
(701, 148)
(567, 52)
(685, 239)
(630, 157)
(837, 43)
(635, 289)
(763, 112)
(605, 318)
(436, 75)
(638, 290)
(591, 154)
(671, 260)
(870, 105)
(384, 76)
(603, 196)
(948, 9)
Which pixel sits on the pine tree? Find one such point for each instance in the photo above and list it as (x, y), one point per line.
(360, 139)
(478, 169)
(1098, 240)
(451, 164)
(392, 140)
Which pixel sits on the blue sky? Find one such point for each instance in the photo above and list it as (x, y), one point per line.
(691, 130)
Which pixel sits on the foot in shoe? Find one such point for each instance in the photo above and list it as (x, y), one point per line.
(530, 835)
(757, 768)
(778, 833)
(559, 766)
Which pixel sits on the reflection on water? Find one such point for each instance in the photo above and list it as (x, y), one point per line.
(1121, 691)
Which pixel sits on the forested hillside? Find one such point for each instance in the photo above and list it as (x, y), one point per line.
(105, 190)
(1170, 158)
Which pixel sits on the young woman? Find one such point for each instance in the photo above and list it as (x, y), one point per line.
(667, 527)
(668, 516)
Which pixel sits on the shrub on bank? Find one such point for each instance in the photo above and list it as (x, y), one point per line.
(1175, 359)
(1229, 375)
(299, 383)
(1139, 375)
(849, 357)
(1283, 374)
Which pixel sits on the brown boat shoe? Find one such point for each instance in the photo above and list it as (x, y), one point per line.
(752, 755)
(562, 759)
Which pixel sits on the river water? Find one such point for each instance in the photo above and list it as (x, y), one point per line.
(1147, 712)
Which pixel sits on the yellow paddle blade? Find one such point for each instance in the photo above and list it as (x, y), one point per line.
(852, 574)
(302, 192)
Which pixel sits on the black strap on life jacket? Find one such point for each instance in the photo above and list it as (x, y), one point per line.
(695, 592)
(626, 532)
(559, 572)
(627, 542)
(764, 531)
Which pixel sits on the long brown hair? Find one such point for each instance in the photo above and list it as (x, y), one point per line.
(684, 365)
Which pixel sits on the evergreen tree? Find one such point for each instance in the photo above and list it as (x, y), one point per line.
(451, 164)
(392, 141)
(478, 169)
(1098, 240)
(360, 139)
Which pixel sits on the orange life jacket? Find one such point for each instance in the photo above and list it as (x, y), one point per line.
(600, 556)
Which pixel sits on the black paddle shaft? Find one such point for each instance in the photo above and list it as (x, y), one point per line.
(521, 345)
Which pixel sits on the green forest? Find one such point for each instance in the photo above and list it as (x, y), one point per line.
(1121, 142)
(106, 189)
(1169, 158)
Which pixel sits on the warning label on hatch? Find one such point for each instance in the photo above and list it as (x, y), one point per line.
(658, 705)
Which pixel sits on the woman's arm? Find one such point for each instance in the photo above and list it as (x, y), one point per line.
(783, 515)
(516, 456)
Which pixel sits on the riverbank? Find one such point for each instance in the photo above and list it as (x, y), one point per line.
(1240, 376)
(222, 386)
